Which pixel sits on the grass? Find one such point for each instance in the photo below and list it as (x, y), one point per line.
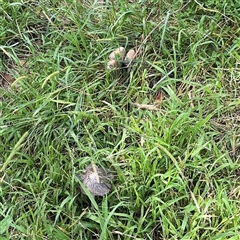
(176, 168)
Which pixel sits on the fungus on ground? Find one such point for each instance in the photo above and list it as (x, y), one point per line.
(117, 54)
(115, 58)
(118, 58)
(96, 180)
(130, 56)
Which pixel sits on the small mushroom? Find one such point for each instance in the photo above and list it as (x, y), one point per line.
(96, 180)
(117, 54)
(130, 56)
(112, 64)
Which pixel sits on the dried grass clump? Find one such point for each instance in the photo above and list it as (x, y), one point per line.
(96, 180)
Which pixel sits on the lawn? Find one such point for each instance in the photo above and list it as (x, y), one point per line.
(166, 125)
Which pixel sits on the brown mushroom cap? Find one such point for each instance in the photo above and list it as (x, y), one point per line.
(112, 64)
(117, 54)
(130, 56)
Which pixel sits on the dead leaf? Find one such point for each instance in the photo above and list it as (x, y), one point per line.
(146, 106)
(235, 193)
(159, 98)
(7, 77)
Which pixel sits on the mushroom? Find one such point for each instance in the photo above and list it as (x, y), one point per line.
(96, 180)
(117, 58)
(117, 54)
(112, 64)
(130, 56)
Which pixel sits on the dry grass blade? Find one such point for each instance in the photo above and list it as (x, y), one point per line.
(146, 106)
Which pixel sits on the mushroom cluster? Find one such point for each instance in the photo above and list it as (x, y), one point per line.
(118, 58)
(96, 180)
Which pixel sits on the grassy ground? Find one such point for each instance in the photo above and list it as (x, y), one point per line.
(176, 167)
